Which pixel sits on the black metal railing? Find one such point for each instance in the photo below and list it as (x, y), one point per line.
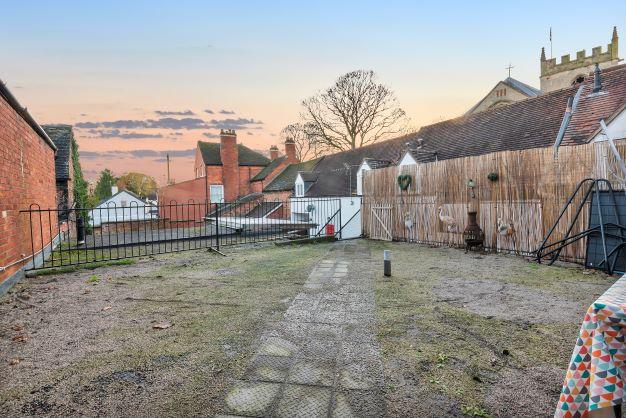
(70, 236)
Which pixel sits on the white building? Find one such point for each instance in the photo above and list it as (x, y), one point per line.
(123, 206)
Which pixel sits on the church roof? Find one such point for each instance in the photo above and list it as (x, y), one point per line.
(524, 88)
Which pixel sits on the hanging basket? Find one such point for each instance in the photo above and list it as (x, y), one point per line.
(493, 176)
(404, 181)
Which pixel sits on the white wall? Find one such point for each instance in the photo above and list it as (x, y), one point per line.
(616, 129)
(323, 208)
(112, 210)
(407, 159)
(359, 177)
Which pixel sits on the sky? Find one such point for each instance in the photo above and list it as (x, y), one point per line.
(139, 79)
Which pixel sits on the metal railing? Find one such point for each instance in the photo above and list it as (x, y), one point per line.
(65, 237)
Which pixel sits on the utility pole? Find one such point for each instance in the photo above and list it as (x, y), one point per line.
(168, 170)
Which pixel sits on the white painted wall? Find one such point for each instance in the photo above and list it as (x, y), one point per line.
(324, 208)
(121, 207)
(407, 159)
(359, 177)
(616, 129)
(299, 186)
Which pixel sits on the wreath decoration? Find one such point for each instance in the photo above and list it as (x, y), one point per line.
(404, 181)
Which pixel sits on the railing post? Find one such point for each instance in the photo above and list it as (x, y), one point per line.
(217, 225)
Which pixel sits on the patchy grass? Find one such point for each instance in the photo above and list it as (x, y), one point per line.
(443, 359)
(90, 347)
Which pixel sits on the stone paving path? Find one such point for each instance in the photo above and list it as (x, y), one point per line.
(322, 359)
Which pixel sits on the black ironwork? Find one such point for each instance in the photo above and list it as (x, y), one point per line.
(586, 189)
(114, 232)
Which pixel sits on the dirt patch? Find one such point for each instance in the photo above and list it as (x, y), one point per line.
(508, 301)
(530, 392)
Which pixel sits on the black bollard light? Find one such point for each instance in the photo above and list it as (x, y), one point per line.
(80, 230)
(387, 263)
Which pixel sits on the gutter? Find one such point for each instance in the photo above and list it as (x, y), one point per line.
(12, 101)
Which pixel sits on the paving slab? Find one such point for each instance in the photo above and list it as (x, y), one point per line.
(322, 358)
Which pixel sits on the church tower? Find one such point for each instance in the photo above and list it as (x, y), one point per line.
(568, 72)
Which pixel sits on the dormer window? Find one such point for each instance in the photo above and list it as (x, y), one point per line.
(299, 190)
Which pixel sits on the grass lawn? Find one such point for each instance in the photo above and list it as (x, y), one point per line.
(478, 335)
(84, 342)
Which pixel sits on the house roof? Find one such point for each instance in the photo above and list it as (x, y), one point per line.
(530, 123)
(103, 201)
(6, 94)
(211, 155)
(285, 180)
(338, 172)
(585, 121)
(268, 169)
(61, 135)
(308, 176)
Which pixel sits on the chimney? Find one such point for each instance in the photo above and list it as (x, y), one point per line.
(229, 154)
(114, 190)
(290, 151)
(273, 152)
(597, 79)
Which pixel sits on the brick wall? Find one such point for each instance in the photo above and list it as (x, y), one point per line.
(26, 176)
(182, 193)
(229, 154)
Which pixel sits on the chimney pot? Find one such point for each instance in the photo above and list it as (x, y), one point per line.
(273, 152)
(597, 79)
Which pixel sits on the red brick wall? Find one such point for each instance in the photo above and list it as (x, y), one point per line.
(230, 165)
(26, 176)
(182, 193)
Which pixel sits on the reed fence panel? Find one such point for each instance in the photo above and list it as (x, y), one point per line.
(515, 211)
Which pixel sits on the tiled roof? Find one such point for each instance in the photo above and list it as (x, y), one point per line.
(61, 135)
(211, 155)
(285, 180)
(530, 123)
(261, 175)
(337, 172)
(592, 107)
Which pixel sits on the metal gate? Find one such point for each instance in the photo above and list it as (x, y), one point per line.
(381, 226)
(65, 237)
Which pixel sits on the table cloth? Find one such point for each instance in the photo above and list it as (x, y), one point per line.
(595, 375)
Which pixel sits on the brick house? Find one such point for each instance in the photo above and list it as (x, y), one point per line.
(226, 171)
(27, 176)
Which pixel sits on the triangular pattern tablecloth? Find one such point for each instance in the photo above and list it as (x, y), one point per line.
(595, 375)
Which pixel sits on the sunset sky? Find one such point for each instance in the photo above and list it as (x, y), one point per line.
(141, 78)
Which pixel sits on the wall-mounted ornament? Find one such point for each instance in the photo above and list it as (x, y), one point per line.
(471, 184)
(404, 181)
(310, 207)
(493, 176)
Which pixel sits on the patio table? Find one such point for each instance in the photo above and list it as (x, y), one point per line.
(594, 380)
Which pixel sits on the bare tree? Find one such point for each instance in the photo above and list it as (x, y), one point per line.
(306, 146)
(353, 112)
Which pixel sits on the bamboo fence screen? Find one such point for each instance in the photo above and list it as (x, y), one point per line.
(515, 211)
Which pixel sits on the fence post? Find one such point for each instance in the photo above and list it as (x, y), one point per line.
(340, 225)
(217, 225)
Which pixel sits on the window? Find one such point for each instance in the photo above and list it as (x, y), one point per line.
(299, 189)
(217, 193)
